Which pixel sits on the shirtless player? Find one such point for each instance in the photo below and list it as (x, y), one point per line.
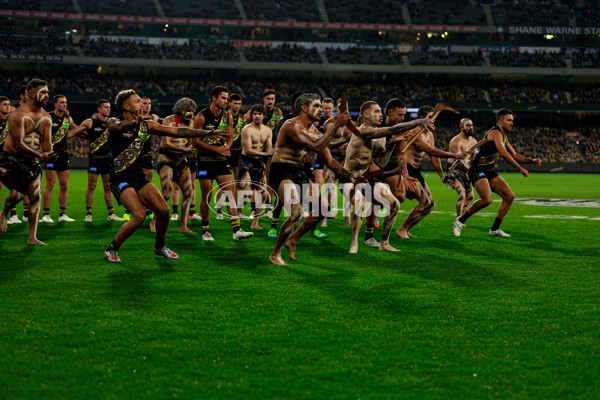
(414, 157)
(359, 156)
(459, 179)
(28, 142)
(256, 144)
(294, 139)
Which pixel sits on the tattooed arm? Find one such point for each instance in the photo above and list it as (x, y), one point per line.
(374, 133)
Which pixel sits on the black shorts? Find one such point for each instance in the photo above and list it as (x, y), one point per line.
(253, 166)
(178, 165)
(212, 169)
(147, 161)
(391, 165)
(119, 182)
(193, 166)
(234, 159)
(99, 166)
(462, 177)
(62, 163)
(279, 172)
(20, 171)
(415, 173)
(476, 174)
(319, 163)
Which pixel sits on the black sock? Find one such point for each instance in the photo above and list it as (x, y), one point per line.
(46, 211)
(205, 227)
(13, 212)
(148, 211)
(274, 222)
(62, 212)
(159, 243)
(369, 231)
(114, 246)
(496, 225)
(175, 208)
(110, 210)
(464, 217)
(235, 225)
(192, 209)
(88, 211)
(253, 206)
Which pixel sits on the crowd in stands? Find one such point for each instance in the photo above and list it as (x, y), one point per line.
(15, 43)
(82, 81)
(288, 10)
(583, 58)
(453, 12)
(363, 55)
(529, 93)
(472, 59)
(283, 53)
(587, 93)
(526, 59)
(590, 144)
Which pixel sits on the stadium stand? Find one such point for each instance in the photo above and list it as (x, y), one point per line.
(200, 9)
(289, 10)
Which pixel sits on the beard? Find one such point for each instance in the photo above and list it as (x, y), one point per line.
(469, 133)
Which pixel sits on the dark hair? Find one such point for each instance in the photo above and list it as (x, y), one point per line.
(217, 90)
(146, 98)
(122, 97)
(101, 101)
(4, 98)
(423, 111)
(35, 83)
(22, 90)
(294, 98)
(366, 105)
(305, 98)
(502, 112)
(258, 107)
(268, 92)
(393, 104)
(235, 97)
(58, 96)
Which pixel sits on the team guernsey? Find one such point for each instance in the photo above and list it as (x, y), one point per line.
(482, 165)
(271, 120)
(236, 146)
(99, 156)
(60, 129)
(126, 151)
(175, 160)
(3, 132)
(210, 163)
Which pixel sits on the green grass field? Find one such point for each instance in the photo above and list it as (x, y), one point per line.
(469, 317)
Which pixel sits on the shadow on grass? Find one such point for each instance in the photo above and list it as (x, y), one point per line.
(133, 288)
(9, 270)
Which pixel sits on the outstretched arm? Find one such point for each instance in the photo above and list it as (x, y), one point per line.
(310, 140)
(496, 137)
(85, 125)
(374, 133)
(335, 166)
(520, 158)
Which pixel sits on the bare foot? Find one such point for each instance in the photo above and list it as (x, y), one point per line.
(35, 241)
(184, 229)
(386, 246)
(152, 226)
(353, 248)
(347, 222)
(402, 233)
(291, 248)
(3, 222)
(255, 226)
(276, 259)
(411, 235)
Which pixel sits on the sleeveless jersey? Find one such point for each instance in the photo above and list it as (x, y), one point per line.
(272, 118)
(238, 124)
(3, 132)
(98, 137)
(487, 154)
(60, 128)
(127, 147)
(213, 122)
